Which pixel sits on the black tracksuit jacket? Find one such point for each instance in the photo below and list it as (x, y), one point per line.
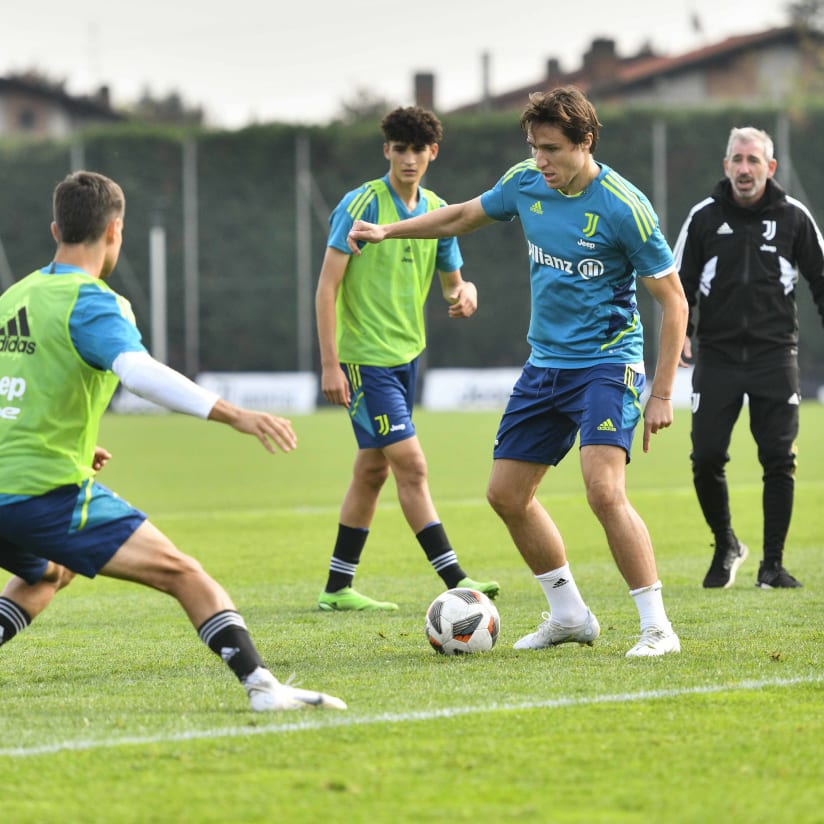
(739, 268)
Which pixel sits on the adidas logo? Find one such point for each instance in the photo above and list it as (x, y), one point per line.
(560, 583)
(724, 229)
(607, 426)
(536, 208)
(228, 653)
(13, 334)
(794, 400)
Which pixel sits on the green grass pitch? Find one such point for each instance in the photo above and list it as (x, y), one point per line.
(111, 710)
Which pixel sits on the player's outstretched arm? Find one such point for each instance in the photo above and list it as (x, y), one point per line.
(449, 221)
(363, 232)
(142, 374)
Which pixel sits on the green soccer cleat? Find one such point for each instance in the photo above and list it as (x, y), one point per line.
(350, 599)
(489, 588)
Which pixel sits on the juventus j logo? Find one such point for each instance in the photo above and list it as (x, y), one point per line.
(592, 224)
(769, 229)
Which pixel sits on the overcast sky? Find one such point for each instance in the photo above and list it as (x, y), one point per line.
(260, 60)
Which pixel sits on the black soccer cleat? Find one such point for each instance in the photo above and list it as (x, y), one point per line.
(774, 576)
(725, 563)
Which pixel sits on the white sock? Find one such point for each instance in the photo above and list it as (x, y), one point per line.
(565, 602)
(650, 603)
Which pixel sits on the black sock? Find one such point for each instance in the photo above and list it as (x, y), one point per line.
(226, 635)
(345, 557)
(13, 619)
(440, 554)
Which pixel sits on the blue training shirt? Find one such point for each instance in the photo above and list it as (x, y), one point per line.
(585, 252)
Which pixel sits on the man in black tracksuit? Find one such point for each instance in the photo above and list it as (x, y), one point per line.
(739, 253)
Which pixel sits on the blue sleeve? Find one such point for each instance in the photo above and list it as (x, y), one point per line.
(651, 256)
(500, 201)
(99, 329)
(449, 256)
(340, 221)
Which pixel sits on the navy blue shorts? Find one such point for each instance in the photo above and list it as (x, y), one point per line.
(549, 407)
(80, 527)
(382, 402)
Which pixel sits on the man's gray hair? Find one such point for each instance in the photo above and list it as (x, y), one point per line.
(749, 134)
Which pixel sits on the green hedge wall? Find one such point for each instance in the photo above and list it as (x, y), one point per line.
(247, 225)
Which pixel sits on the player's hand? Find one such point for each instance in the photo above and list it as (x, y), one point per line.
(270, 430)
(335, 387)
(657, 416)
(363, 232)
(101, 457)
(463, 301)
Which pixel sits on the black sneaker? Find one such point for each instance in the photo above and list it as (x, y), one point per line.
(774, 576)
(725, 563)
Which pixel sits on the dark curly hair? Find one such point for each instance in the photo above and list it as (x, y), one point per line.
(413, 126)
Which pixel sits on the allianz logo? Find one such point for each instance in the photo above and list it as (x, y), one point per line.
(588, 268)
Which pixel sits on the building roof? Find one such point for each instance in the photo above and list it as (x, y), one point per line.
(95, 106)
(604, 73)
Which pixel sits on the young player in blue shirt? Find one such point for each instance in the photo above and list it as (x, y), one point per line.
(590, 234)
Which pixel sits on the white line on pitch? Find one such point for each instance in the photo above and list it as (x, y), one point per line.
(316, 722)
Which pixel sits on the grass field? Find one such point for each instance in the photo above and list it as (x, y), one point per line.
(113, 711)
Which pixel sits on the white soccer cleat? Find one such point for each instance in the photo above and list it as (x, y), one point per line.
(655, 641)
(551, 633)
(267, 694)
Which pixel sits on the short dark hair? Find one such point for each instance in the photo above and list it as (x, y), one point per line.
(84, 203)
(413, 126)
(566, 108)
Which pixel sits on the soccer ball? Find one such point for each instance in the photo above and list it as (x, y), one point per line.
(460, 621)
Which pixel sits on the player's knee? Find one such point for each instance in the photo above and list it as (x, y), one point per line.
(57, 575)
(377, 476)
(708, 466)
(373, 475)
(412, 473)
(778, 465)
(175, 572)
(604, 497)
(506, 501)
(66, 576)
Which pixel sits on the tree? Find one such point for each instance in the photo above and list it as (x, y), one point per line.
(807, 13)
(363, 105)
(169, 110)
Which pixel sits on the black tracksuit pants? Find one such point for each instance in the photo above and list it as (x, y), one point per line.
(772, 387)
